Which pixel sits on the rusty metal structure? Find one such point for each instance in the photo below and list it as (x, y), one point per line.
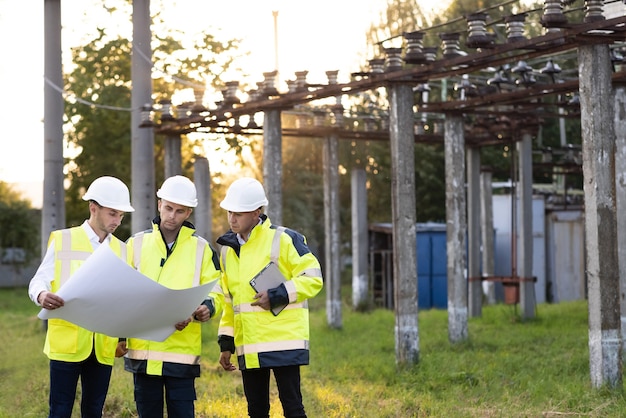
(516, 96)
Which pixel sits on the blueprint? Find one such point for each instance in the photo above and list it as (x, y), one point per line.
(108, 296)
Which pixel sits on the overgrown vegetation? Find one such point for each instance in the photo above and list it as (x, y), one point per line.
(508, 368)
(19, 227)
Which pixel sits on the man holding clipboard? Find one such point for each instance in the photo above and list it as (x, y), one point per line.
(268, 274)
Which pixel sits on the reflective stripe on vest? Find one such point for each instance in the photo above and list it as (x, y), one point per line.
(138, 241)
(65, 256)
(272, 346)
(312, 273)
(275, 253)
(222, 330)
(199, 252)
(247, 307)
(223, 251)
(163, 356)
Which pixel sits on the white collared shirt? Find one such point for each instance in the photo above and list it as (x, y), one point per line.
(243, 241)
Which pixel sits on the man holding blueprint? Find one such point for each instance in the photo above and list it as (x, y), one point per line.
(75, 351)
(172, 255)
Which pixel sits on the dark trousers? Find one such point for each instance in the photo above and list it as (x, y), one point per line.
(256, 386)
(180, 395)
(94, 379)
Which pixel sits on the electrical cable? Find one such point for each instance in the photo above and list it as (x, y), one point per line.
(83, 101)
(164, 74)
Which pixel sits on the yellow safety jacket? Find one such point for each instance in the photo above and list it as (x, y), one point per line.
(191, 262)
(260, 338)
(66, 341)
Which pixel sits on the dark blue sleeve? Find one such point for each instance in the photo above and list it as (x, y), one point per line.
(278, 296)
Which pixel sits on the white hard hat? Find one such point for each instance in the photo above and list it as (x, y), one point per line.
(180, 190)
(244, 195)
(109, 192)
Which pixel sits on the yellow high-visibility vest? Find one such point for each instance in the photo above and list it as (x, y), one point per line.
(190, 263)
(66, 341)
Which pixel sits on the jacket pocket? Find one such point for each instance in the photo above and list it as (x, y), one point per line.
(63, 337)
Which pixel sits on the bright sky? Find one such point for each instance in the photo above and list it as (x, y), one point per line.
(325, 35)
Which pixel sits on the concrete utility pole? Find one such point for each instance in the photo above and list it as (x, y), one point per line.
(331, 214)
(598, 137)
(620, 199)
(475, 288)
(360, 285)
(273, 165)
(526, 286)
(143, 188)
(403, 222)
(173, 157)
(620, 180)
(332, 273)
(486, 233)
(456, 228)
(202, 213)
(53, 210)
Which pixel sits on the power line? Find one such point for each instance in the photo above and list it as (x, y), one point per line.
(163, 73)
(67, 95)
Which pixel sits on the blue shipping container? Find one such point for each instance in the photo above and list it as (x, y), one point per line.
(432, 276)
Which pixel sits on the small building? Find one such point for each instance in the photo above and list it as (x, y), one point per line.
(432, 278)
(558, 247)
(558, 255)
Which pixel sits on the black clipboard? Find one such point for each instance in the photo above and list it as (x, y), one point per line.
(269, 278)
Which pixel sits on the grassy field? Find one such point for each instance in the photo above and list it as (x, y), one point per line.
(508, 368)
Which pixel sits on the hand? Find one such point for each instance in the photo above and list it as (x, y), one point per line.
(49, 300)
(225, 361)
(262, 300)
(121, 349)
(183, 324)
(202, 314)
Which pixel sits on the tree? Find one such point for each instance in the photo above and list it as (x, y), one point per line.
(399, 17)
(100, 134)
(19, 227)
(97, 114)
(303, 180)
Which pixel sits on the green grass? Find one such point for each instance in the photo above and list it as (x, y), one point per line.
(507, 368)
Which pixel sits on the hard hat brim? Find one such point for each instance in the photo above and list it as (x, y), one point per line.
(233, 207)
(121, 208)
(181, 202)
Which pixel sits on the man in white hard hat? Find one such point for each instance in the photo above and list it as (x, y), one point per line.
(271, 328)
(75, 352)
(174, 256)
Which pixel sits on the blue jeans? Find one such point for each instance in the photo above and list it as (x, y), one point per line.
(94, 379)
(180, 395)
(256, 386)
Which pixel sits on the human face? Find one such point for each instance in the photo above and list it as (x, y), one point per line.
(103, 220)
(172, 215)
(243, 222)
